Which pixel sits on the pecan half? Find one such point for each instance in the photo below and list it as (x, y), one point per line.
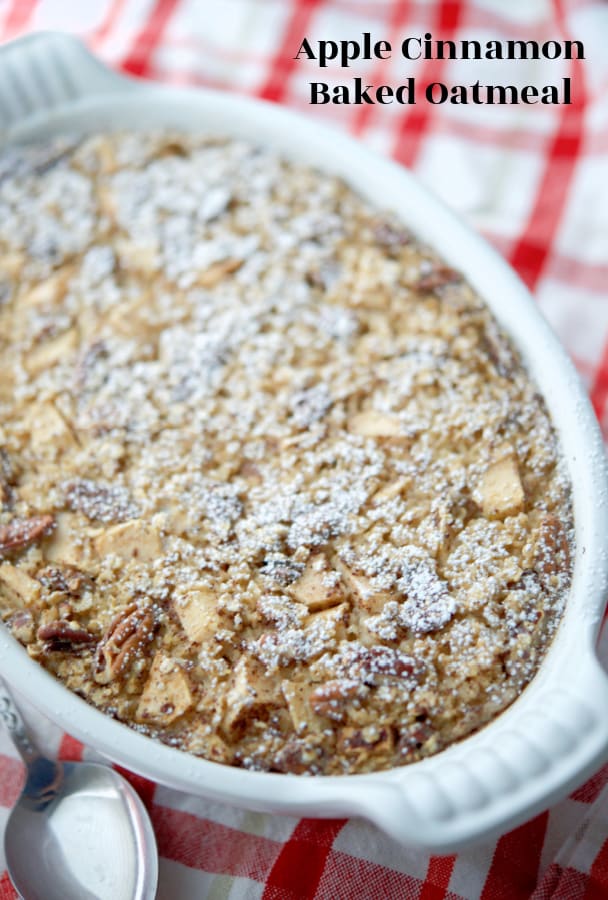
(20, 533)
(64, 636)
(128, 635)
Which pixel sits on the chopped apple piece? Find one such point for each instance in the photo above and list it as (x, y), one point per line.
(17, 585)
(333, 615)
(166, 695)
(501, 490)
(365, 595)
(49, 429)
(135, 539)
(67, 544)
(250, 692)
(198, 613)
(202, 742)
(297, 697)
(319, 586)
(372, 423)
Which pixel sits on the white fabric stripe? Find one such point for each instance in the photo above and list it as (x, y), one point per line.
(364, 841)
(178, 882)
(276, 828)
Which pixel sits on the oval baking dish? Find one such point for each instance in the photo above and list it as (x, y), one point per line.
(556, 733)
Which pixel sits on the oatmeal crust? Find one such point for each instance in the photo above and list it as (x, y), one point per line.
(274, 487)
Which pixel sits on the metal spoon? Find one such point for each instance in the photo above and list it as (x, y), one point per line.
(78, 831)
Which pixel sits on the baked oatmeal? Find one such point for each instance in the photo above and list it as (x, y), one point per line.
(275, 489)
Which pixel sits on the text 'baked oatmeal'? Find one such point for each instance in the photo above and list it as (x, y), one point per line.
(275, 489)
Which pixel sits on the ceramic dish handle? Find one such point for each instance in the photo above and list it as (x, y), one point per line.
(508, 778)
(47, 69)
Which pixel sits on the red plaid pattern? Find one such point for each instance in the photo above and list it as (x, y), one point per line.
(534, 181)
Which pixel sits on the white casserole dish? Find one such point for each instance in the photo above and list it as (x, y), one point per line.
(556, 733)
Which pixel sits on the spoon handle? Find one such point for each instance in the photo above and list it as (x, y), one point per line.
(15, 726)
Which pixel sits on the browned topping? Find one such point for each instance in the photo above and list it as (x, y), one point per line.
(303, 509)
(21, 533)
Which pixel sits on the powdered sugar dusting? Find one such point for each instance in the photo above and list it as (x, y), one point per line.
(316, 501)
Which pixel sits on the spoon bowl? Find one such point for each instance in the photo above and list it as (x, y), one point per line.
(78, 830)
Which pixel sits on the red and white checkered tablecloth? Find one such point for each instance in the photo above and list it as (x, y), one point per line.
(534, 181)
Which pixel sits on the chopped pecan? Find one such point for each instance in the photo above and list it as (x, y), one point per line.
(552, 552)
(392, 235)
(375, 662)
(99, 502)
(66, 579)
(297, 757)
(128, 634)
(324, 276)
(410, 741)
(498, 352)
(64, 636)
(20, 533)
(89, 375)
(22, 626)
(439, 276)
(359, 741)
(330, 699)
(281, 569)
(7, 479)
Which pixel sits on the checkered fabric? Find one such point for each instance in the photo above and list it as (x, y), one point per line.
(534, 181)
